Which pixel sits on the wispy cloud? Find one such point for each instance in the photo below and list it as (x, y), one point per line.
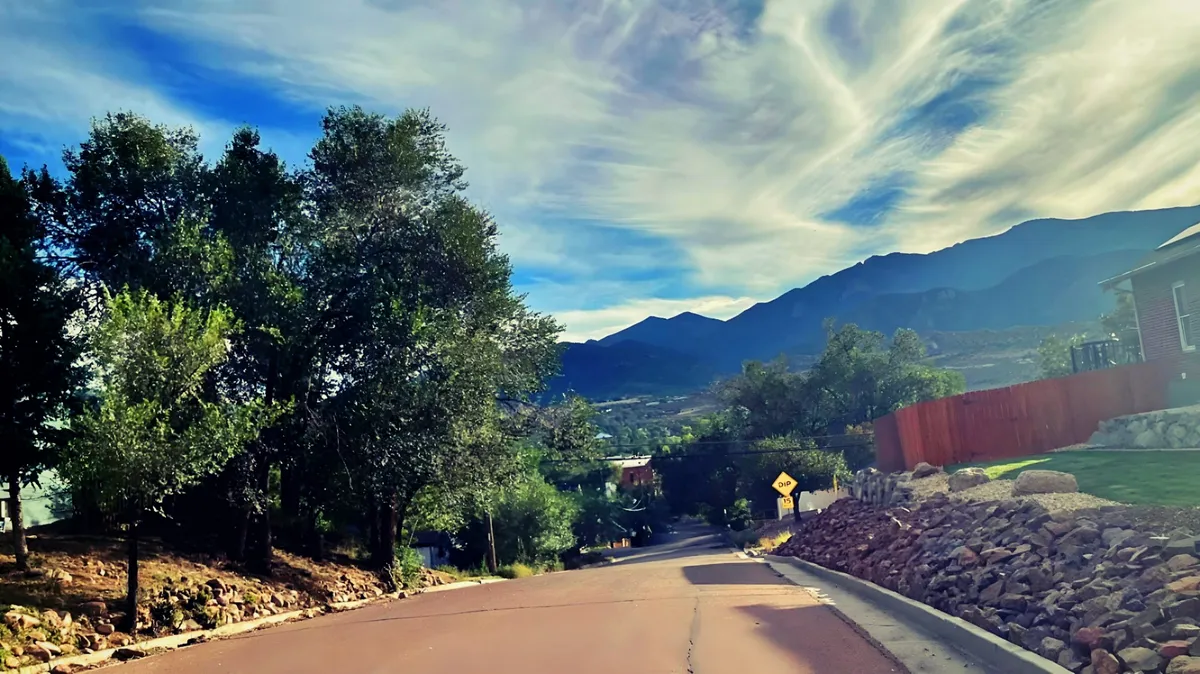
(692, 150)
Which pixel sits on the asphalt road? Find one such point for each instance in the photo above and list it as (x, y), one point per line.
(685, 607)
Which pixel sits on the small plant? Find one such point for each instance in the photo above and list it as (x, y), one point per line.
(251, 599)
(208, 618)
(516, 570)
(406, 570)
(164, 612)
(196, 603)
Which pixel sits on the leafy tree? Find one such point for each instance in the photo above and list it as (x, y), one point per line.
(37, 355)
(859, 377)
(814, 469)
(1054, 355)
(533, 524)
(156, 431)
(430, 334)
(1121, 323)
(131, 212)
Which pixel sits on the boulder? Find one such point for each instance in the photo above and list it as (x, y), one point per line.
(1141, 659)
(965, 478)
(1184, 665)
(923, 469)
(1104, 662)
(1181, 562)
(1044, 482)
(94, 608)
(20, 621)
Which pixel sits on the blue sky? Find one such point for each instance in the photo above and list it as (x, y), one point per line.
(657, 156)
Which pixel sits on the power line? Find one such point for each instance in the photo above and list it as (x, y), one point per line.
(735, 441)
(658, 457)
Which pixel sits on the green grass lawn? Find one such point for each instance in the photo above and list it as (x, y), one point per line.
(1135, 477)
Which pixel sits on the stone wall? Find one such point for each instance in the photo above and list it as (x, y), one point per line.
(882, 489)
(1089, 590)
(1164, 429)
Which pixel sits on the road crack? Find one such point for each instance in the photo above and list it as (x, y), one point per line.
(693, 633)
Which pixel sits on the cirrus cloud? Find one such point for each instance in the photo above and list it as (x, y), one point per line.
(666, 155)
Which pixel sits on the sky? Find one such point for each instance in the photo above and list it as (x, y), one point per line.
(649, 157)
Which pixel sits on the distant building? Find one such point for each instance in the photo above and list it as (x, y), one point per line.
(634, 470)
(434, 548)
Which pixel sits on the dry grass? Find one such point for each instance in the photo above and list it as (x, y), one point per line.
(97, 569)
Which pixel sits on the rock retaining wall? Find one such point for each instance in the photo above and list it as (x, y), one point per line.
(1165, 429)
(883, 489)
(1084, 589)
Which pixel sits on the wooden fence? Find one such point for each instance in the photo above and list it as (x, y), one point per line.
(1018, 420)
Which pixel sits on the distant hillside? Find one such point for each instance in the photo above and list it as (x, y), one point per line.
(766, 329)
(1040, 272)
(1049, 292)
(629, 368)
(667, 332)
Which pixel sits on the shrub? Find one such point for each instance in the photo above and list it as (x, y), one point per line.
(406, 571)
(515, 570)
(738, 516)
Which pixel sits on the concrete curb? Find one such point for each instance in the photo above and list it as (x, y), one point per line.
(175, 641)
(980, 644)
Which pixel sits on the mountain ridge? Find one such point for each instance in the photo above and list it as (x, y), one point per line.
(982, 270)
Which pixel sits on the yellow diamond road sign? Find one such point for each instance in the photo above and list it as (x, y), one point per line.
(784, 484)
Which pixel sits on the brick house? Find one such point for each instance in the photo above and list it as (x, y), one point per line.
(634, 471)
(1166, 298)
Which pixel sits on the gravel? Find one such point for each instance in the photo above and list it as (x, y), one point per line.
(997, 490)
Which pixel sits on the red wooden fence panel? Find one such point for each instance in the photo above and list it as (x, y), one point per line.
(1019, 420)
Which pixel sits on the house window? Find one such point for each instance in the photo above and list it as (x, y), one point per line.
(1186, 335)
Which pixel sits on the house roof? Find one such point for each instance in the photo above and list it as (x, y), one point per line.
(1182, 245)
(631, 462)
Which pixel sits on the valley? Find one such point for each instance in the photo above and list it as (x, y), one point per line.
(982, 307)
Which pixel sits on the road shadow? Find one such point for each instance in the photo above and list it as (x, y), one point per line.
(819, 641)
(732, 573)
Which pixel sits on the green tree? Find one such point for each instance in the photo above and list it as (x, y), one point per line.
(131, 211)
(1054, 355)
(533, 523)
(156, 431)
(1121, 323)
(37, 355)
(430, 334)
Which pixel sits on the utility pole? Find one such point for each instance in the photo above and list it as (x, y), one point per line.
(491, 542)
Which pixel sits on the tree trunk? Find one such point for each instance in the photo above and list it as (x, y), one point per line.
(260, 560)
(316, 540)
(129, 623)
(385, 552)
(20, 545)
(289, 492)
(372, 525)
(237, 540)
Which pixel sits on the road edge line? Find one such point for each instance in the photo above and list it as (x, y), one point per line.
(958, 633)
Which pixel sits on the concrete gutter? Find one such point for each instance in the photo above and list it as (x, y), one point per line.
(987, 651)
(174, 641)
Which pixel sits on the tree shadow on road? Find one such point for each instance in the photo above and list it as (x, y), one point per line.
(732, 573)
(820, 641)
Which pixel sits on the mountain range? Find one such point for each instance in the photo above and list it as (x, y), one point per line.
(1040, 272)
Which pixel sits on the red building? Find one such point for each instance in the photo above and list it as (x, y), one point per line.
(634, 471)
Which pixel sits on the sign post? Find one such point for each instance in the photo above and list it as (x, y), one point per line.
(785, 484)
(784, 505)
